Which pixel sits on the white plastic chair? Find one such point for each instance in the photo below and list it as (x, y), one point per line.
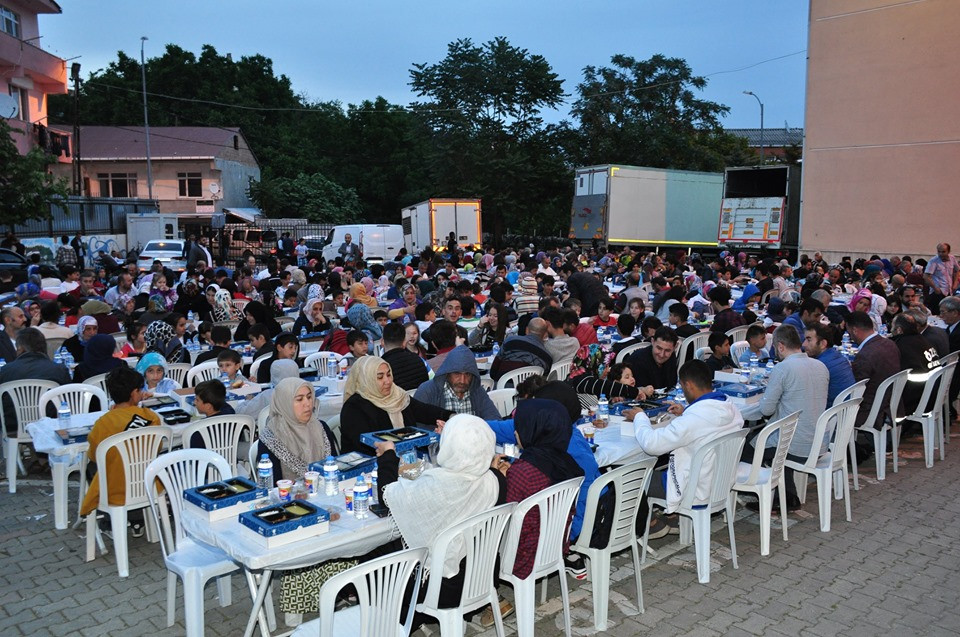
(835, 424)
(857, 390)
(691, 343)
(177, 372)
(725, 452)
(380, 585)
(738, 333)
(952, 357)
(514, 377)
(481, 536)
(239, 305)
(255, 365)
(334, 424)
(204, 371)
(220, 434)
(137, 449)
(100, 380)
(53, 344)
(931, 420)
(630, 483)
(318, 360)
(504, 399)
(893, 386)
(120, 338)
(755, 478)
(253, 457)
(79, 396)
(560, 371)
(554, 504)
(701, 353)
(25, 396)
(737, 350)
(630, 349)
(192, 562)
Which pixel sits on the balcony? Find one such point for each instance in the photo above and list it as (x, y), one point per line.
(48, 72)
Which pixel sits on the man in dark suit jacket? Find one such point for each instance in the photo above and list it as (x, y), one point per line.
(31, 364)
(877, 360)
(950, 313)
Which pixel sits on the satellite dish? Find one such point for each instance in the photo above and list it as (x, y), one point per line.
(9, 106)
(214, 189)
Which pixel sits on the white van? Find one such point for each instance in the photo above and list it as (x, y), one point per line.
(378, 242)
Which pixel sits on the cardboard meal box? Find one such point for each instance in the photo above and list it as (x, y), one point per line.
(224, 499)
(404, 439)
(350, 465)
(74, 435)
(285, 523)
(741, 393)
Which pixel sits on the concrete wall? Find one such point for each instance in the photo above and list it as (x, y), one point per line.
(882, 132)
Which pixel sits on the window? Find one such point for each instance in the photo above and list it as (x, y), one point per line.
(9, 22)
(117, 184)
(23, 106)
(191, 185)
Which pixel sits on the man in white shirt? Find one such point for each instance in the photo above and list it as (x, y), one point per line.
(124, 286)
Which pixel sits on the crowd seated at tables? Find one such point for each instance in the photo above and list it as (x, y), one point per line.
(426, 336)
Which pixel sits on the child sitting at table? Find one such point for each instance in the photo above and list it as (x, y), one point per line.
(211, 399)
(620, 373)
(603, 318)
(125, 388)
(153, 366)
(230, 363)
(757, 342)
(719, 344)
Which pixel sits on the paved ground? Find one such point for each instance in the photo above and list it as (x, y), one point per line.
(895, 569)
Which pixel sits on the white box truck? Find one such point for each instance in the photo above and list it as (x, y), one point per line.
(429, 223)
(143, 227)
(651, 207)
(378, 242)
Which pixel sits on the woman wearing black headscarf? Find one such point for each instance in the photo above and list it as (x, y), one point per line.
(256, 312)
(543, 432)
(98, 359)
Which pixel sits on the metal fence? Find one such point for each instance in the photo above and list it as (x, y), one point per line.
(85, 215)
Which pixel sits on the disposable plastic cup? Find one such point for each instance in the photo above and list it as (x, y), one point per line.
(283, 489)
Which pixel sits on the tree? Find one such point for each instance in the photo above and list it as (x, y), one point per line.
(27, 190)
(487, 137)
(312, 197)
(646, 113)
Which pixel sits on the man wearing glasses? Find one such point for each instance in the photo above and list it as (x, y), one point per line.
(942, 276)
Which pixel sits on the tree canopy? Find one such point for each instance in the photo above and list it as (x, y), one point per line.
(26, 188)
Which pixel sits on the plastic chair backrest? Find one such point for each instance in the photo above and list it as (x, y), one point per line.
(78, 397)
(560, 371)
(137, 449)
(938, 381)
(220, 434)
(120, 338)
(766, 296)
(25, 396)
(894, 385)
(691, 342)
(855, 390)
(554, 504)
(239, 304)
(725, 452)
(630, 349)
(53, 344)
(178, 372)
(737, 350)
(381, 585)
(318, 360)
(255, 365)
(952, 357)
(701, 353)
(179, 470)
(100, 380)
(504, 399)
(787, 426)
(843, 430)
(480, 536)
(738, 333)
(830, 426)
(334, 424)
(204, 371)
(630, 483)
(517, 375)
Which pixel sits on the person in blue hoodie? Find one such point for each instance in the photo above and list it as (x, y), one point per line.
(578, 448)
(456, 387)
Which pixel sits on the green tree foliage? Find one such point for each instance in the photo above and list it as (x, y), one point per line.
(487, 136)
(26, 188)
(312, 197)
(646, 113)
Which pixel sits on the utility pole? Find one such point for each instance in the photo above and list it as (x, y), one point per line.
(146, 120)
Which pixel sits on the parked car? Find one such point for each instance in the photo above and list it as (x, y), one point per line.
(168, 251)
(15, 263)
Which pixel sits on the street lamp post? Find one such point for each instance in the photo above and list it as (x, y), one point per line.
(762, 160)
(77, 176)
(146, 121)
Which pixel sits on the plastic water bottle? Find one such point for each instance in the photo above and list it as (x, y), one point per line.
(603, 410)
(846, 342)
(63, 320)
(3, 362)
(68, 359)
(331, 365)
(265, 472)
(303, 332)
(361, 499)
(63, 415)
(754, 368)
(331, 477)
(496, 349)
(58, 358)
(225, 379)
(190, 316)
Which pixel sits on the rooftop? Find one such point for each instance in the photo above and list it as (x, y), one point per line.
(128, 143)
(771, 136)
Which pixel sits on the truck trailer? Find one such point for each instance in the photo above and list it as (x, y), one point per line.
(429, 223)
(761, 210)
(649, 207)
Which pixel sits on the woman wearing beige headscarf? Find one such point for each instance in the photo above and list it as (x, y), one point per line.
(358, 294)
(374, 403)
(292, 436)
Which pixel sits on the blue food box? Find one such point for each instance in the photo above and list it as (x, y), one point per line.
(224, 499)
(74, 435)
(405, 439)
(649, 407)
(741, 393)
(350, 465)
(285, 523)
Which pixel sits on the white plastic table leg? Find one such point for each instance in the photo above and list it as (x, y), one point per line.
(60, 471)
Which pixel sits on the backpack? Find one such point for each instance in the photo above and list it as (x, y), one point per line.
(335, 341)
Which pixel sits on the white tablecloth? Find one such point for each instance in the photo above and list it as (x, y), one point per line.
(613, 448)
(347, 537)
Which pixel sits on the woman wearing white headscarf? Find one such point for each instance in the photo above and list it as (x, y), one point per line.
(312, 318)
(372, 402)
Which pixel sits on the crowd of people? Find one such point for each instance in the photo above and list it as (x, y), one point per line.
(413, 328)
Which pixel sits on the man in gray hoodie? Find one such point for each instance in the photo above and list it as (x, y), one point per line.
(456, 387)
